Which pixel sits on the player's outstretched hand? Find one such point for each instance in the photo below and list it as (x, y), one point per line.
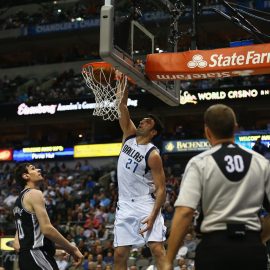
(63, 253)
(77, 256)
(265, 233)
(118, 74)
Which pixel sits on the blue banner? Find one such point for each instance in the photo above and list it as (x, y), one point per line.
(262, 4)
(248, 140)
(21, 155)
(61, 27)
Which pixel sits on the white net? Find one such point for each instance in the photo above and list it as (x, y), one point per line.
(107, 89)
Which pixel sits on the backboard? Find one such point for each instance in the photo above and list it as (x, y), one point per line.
(125, 61)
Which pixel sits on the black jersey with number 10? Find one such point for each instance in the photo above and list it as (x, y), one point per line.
(28, 228)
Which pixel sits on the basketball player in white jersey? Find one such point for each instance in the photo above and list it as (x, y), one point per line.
(141, 183)
(35, 235)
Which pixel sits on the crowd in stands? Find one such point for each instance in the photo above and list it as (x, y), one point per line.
(70, 85)
(11, 3)
(81, 202)
(64, 86)
(54, 12)
(50, 13)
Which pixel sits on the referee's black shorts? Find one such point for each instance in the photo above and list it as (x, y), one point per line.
(218, 251)
(36, 259)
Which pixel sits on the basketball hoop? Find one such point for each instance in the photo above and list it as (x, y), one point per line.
(107, 87)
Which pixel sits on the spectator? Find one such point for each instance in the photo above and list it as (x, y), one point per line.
(108, 259)
(11, 198)
(259, 147)
(100, 260)
(181, 262)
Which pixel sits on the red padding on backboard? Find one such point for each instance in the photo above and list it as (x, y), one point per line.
(209, 64)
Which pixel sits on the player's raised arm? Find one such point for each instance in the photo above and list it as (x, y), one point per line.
(125, 122)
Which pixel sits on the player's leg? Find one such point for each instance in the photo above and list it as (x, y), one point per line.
(158, 252)
(121, 257)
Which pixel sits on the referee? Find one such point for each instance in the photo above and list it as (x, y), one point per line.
(231, 183)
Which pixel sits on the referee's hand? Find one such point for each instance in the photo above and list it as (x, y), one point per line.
(265, 234)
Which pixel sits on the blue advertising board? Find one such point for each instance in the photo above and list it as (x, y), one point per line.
(246, 139)
(60, 27)
(26, 155)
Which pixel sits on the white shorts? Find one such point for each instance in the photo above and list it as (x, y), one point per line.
(129, 215)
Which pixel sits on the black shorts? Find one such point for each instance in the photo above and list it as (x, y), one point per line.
(217, 251)
(36, 259)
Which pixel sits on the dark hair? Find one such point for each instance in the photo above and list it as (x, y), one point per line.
(19, 170)
(221, 120)
(158, 124)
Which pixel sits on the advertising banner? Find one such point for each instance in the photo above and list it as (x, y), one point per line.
(39, 153)
(246, 139)
(97, 150)
(178, 146)
(261, 4)
(209, 64)
(249, 140)
(25, 109)
(61, 27)
(196, 97)
(5, 154)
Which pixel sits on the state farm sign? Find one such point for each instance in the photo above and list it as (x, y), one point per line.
(208, 64)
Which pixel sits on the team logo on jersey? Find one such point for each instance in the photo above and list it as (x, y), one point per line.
(132, 153)
(17, 210)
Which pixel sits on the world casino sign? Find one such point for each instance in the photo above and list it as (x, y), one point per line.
(195, 97)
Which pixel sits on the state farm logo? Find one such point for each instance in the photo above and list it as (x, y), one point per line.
(197, 61)
(248, 58)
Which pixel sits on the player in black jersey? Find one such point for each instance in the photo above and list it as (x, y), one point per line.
(231, 183)
(35, 236)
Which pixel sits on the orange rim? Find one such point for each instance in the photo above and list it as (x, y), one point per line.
(102, 65)
(97, 65)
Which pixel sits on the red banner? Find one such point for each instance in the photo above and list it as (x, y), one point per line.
(209, 64)
(5, 154)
